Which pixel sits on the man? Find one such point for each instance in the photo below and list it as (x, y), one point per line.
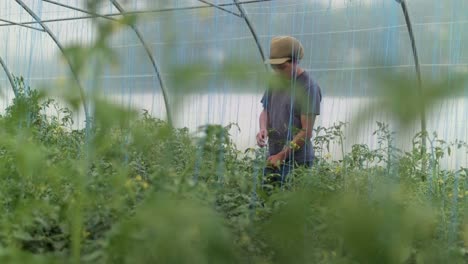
(290, 106)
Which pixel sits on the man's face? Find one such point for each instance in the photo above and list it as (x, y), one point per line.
(284, 69)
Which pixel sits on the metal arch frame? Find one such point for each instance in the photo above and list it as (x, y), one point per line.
(220, 8)
(136, 12)
(46, 29)
(140, 37)
(10, 78)
(243, 15)
(92, 14)
(153, 62)
(21, 25)
(57, 42)
(252, 31)
(5, 66)
(404, 8)
(80, 10)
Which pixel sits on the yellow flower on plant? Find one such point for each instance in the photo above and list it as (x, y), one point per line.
(86, 234)
(295, 146)
(138, 178)
(145, 185)
(337, 169)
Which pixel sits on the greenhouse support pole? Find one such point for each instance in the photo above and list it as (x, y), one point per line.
(252, 30)
(153, 62)
(80, 10)
(57, 42)
(21, 25)
(220, 8)
(10, 78)
(140, 12)
(262, 55)
(418, 72)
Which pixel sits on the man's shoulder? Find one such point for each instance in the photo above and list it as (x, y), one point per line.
(307, 80)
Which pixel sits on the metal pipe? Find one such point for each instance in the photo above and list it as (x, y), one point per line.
(133, 13)
(252, 30)
(219, 7)
(418, 72)
(21, 25)
(153, 63)
(57, 42)
(10, 78)
(80, 10)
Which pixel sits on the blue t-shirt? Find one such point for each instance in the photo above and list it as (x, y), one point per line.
(285, 103)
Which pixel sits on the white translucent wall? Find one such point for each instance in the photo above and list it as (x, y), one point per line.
(347, 43)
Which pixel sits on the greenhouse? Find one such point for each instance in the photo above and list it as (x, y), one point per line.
(178, 131)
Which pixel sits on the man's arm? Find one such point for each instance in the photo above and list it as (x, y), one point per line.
(263, 134)
(299, 140)
(263, 120)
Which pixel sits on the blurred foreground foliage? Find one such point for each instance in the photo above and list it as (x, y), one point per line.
(135, 190)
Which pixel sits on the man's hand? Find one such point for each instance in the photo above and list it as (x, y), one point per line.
(262, 137)
(276, 160)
